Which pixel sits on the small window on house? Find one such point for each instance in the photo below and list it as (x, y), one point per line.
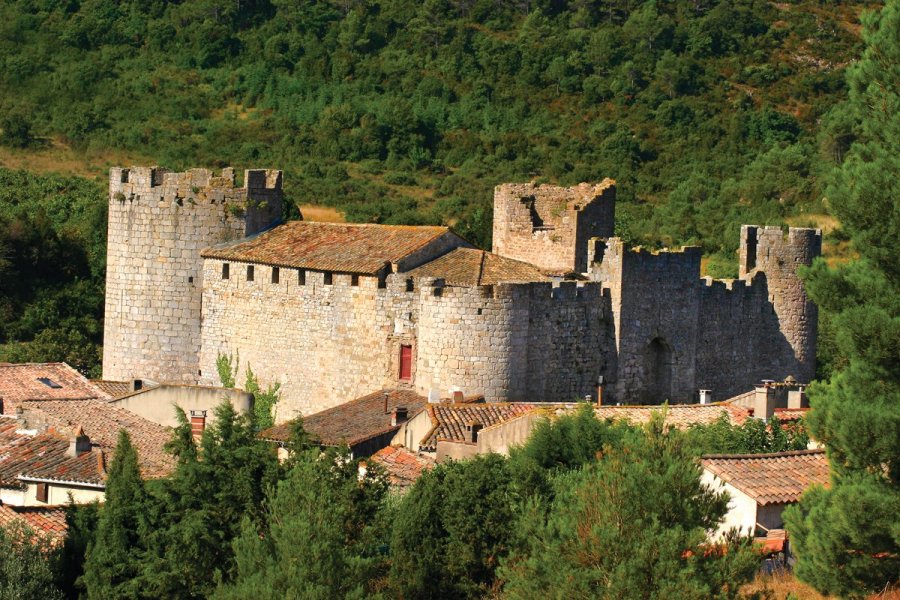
(405, 362)
(301, 277)
(226, 270)
(354, 280)
(409, 285)
(382, 282)
(49, 383)
(276, 274)
(41, 493)
(328, 278)
(190, 280)
(249, 272)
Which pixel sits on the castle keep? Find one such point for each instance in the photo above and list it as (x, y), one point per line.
(335, 311)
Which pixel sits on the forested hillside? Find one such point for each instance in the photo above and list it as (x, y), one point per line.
(707, 113)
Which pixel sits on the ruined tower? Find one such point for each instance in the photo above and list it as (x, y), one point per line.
(158, 224)
(767, 250)
(549, 226)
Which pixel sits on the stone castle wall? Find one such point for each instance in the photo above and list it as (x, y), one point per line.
(158, 223)
(550, 226)
(531, 342)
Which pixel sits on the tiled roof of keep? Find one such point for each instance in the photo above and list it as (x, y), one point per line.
(680, 416)
(449, 420)
(43, 456)
(340, 247)
(47, 520)
(402, 465)
(102, 421)
(352, 422)
(43, 381)
(770, 478)
(470, 267)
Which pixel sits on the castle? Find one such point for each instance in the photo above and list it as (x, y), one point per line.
(198, 266)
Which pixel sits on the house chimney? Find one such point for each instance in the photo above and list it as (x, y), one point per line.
(472, 429)
(705, 396)
(398, 415)
(79, 443)
(797, 398)
(198, 423)
(458, 396)
(387, 396)
(768, 396)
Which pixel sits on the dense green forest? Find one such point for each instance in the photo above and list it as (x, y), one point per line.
(708, 114)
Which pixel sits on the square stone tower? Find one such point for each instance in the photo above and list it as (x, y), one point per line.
(549, 226)
(158, 224)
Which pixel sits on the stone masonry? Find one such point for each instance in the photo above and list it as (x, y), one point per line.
(158, 223)
(644, 321)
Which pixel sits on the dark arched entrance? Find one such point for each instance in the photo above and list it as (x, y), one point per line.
(659, 369)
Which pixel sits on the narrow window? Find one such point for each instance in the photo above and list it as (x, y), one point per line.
(409, 285)
(276, 274)
(354, 280)
(301, 277)
(382, 282)
(226, 270)
(405, 362)
(41, 492)
(328, 279)
(249, 272)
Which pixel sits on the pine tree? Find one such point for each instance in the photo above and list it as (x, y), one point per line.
(847, 537)
(633, 524)
(115, 557)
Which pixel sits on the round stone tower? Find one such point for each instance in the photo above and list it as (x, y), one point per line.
(158, 224)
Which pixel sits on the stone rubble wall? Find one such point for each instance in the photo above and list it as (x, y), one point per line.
(549, 226)
(158, 224)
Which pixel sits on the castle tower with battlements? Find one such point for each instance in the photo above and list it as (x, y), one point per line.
(158, 223)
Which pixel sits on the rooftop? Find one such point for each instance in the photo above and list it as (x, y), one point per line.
(680, 416)
(113, 389)
(770, 478)
(449, 420)
(43, 381)
(47, 520)
(471, 267)
(402, 465)
(353, 422)
(342, 247)
(101, 422)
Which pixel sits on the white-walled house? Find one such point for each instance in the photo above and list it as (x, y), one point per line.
(761, 486)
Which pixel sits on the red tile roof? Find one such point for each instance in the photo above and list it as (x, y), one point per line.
(101, 422)
(449, 420)
(770, 478)
(403, 466)
(353, 422)
(680, 416)
(47, 520)
(113, 389)
(341, 247)
(43, 381)
(43, 456)
(470, 267)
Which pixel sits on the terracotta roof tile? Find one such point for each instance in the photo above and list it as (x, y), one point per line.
(449, 420)
(341, 247)
(770, 478)
(352, 422)
(43, 381)
(101, 422)
(47, 520)
(113, 389)
(403, 466)
(470, 267)
(680, 416)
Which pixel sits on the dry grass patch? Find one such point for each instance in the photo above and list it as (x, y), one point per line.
(58, 157)
(323, 214)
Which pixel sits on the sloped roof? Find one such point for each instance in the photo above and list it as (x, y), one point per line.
(352, 422)
(449, 420)
(680, 416)
(47, 520)
(102, 422)
(770, 478)
(43, 381)
(471, 267)
(402, 465)
(113, 389)
(43, 456)
(341, 247)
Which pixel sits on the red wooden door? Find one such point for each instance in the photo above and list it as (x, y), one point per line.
(405, 363)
